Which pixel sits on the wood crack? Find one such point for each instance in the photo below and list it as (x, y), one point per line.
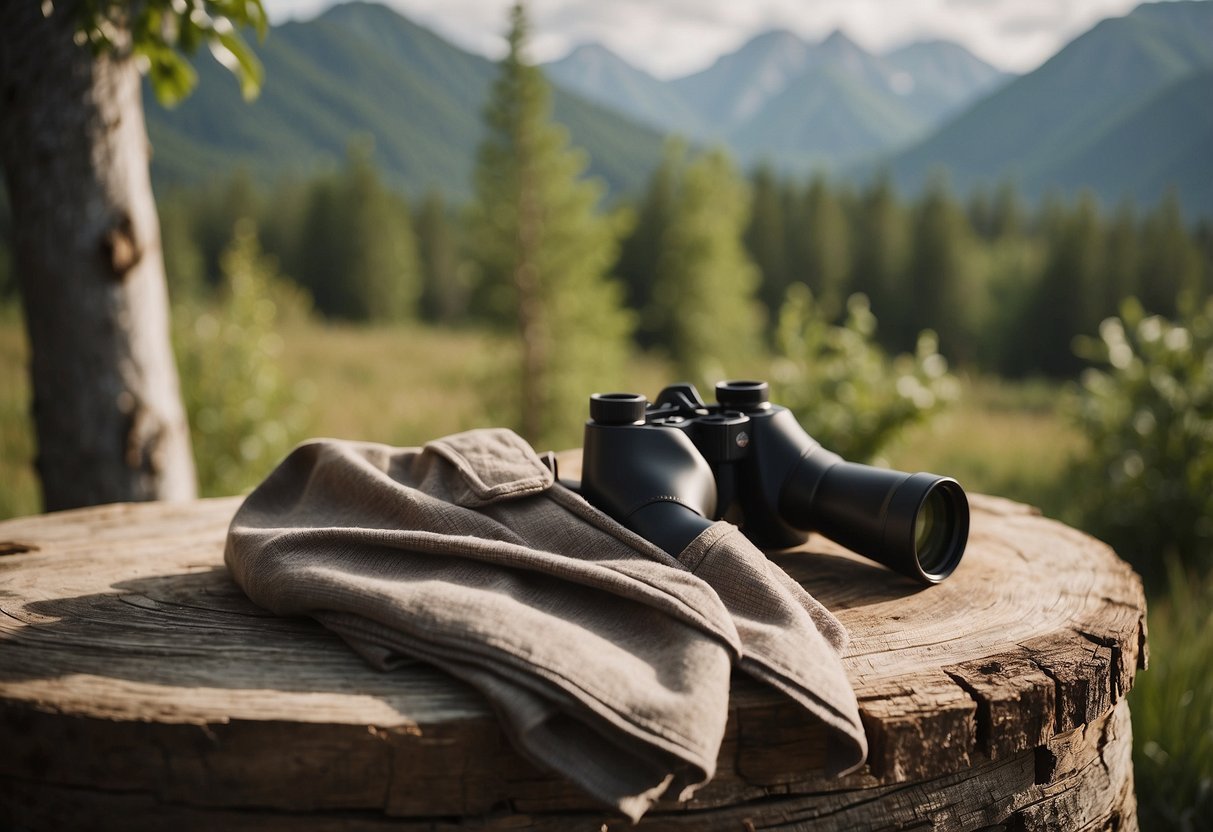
(982, 717)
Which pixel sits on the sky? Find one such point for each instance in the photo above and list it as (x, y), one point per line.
(670, 38)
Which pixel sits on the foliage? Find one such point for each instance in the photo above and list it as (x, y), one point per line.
(543, 251)
(444, 289)
(641, 247)
(703, 308)
(1007, 291)
(766, 238)
(1065, 300)
(1069, 264)
(357, 254)
(842, 387)
(820, 233)
(1148, 413)
(1172, 705)
(1170, 268)
(880, 239)
(244, 414)
(940, 289)
(164, 31)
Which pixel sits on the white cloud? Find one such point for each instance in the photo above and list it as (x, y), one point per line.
(675, 37)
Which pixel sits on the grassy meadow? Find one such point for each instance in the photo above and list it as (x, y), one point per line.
(403, 384)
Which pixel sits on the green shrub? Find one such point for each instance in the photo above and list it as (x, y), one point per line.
(243, 413)
(1172, 706)
(1148, 415)
(846, 392)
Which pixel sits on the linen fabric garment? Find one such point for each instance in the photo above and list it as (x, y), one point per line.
(605, 659)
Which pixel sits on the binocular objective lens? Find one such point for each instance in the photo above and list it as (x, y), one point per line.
(933, 532)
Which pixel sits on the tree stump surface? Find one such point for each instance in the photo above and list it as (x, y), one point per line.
(140, 689)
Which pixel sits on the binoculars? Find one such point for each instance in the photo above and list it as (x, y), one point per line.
(669, 469)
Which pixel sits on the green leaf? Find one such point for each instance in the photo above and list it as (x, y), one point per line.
(230, 50)
(172, 76)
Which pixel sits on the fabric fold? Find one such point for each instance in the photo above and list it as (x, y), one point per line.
(604, 658)
(788, 639)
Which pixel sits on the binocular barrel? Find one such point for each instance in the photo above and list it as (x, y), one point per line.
(915, 524)
(666, 470)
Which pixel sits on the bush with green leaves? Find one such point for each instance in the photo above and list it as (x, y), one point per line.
(1172, 706)
(244, 414)
(847, 392)
(1146, 485)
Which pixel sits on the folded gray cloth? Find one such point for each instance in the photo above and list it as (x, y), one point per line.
(605, 658)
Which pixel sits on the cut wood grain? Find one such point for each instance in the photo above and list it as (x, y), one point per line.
(137, 682)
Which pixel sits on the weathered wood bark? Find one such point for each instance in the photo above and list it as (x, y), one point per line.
(86, 247)
(140, 689)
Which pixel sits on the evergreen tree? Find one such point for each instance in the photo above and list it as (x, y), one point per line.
(444, 290)
(542, 249)
(1123, 252)
(766, 239)
(939, 285)
(825, 263)
(357, 253)
(880, 245)
(184, 264)
(980, 210)
(1170, 262)
(280, 225)
(641, 247)
(1006, 212)
(1068, 298)
(704, 307)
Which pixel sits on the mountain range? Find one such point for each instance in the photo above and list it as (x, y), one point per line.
(361, 71)
(794, 103)
(1125, 109)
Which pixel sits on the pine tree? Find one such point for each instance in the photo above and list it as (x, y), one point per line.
(980, 211)
(1123, 252)
(1170, 261)
(825, 261)
(543, 251)
(1067, 299)
(641, 247)
(443, 282)
(358, 255)
(766, 239)
(939, 292)
(184, 264)
(880, 245)
(704, 305)
(1006, 212)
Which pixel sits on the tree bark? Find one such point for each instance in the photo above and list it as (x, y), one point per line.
(86, 252)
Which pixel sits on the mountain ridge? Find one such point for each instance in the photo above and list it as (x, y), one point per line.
(767, 98)
(1083, 95)
(1110, 111)
(359, 71)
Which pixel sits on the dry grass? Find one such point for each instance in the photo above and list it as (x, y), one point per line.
(1004, 438)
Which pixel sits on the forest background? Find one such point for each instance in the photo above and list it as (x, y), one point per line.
(1051, 347)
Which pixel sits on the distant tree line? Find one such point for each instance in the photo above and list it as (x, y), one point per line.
(1006, 288)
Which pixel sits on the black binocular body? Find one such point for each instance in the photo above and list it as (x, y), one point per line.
(668, 469)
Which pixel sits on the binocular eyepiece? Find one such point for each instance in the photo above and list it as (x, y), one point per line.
(668, 469)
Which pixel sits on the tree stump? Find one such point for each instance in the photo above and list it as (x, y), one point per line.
(139, 689)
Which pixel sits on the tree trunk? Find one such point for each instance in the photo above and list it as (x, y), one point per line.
(86, 252)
